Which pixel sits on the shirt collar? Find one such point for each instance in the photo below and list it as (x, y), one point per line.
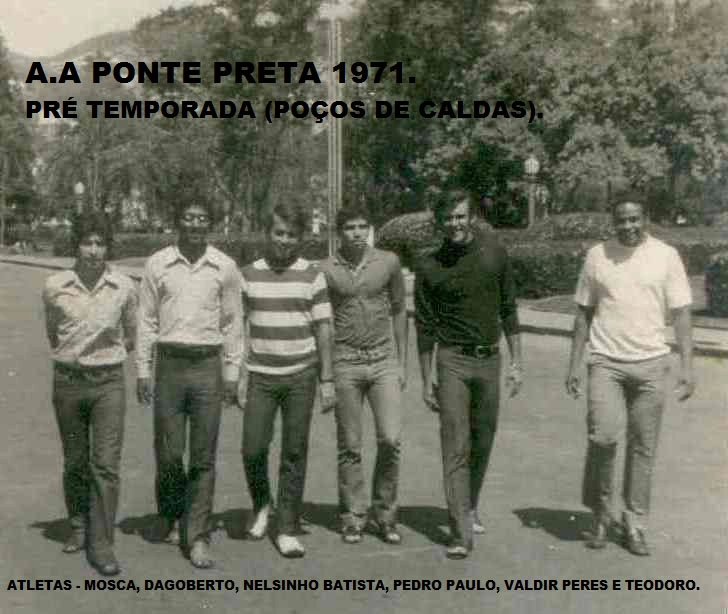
(208, 257)
(367, 257)
(107, 277)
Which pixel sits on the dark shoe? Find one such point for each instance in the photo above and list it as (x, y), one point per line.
(457, 551)
(106, 565)
(351, 534)
(200, 555)
(635, 541)
(599, 535)
(75, 542)
(389, 535)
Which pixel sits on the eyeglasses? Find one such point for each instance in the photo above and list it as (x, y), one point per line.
(201, 218)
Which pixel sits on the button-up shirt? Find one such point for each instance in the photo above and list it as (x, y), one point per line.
(90, 327)
(365, 297)
(195, 304)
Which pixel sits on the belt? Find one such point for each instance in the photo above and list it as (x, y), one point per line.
(173, 350)
(91, 371)
(363, 354)
(475, 351)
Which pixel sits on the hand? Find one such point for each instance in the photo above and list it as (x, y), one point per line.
(328, 397)
(685, 385)
(145, 391)
(514, 379)
(573, 385)
(402, 376)
(229, 393)
(429, 396)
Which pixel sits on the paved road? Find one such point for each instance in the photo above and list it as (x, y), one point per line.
(530, 504)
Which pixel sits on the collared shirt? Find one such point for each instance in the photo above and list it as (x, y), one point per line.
(365, 297)
(282, 308)
(465, 295)
(90, 327)
(632, 290)
(190, 304)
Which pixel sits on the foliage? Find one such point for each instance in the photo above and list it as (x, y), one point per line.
(716, 284)
(16, 155)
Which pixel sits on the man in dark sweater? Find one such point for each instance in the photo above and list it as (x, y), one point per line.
(464, 299)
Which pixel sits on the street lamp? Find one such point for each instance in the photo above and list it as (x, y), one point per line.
(78, 191)
(531, 166)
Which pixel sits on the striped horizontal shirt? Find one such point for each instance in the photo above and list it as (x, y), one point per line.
(281, 308)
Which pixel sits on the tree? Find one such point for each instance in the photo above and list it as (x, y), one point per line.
(16, 155)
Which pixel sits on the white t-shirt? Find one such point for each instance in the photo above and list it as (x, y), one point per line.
(632, 290)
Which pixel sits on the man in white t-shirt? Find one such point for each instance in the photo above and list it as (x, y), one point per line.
(627, 291)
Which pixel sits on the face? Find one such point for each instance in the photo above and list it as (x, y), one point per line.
(194, 224)
(92, 252)
(284, 239)
(354, 234)
(457, 223)
(629, 223)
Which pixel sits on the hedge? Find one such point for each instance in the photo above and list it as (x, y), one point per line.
(242, 249)
(716, 284)
(548, 257)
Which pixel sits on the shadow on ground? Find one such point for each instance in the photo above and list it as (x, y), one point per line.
(566, 525)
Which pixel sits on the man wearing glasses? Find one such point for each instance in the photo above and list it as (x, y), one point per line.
(190, 308)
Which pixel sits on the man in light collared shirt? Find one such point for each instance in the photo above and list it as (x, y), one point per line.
(626, 291)
(190, 308)
(90, 315)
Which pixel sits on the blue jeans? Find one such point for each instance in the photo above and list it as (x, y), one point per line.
(378, 381)
(295, 395)
(90, 405)
(634, 391)
(469, 395)
(187, 389)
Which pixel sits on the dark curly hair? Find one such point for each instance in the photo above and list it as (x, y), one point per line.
(92, 222)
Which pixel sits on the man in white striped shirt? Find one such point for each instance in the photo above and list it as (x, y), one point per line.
(287, 310)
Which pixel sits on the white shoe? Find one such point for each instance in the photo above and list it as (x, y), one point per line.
(259, 528)
(478, 527)
(290, 547)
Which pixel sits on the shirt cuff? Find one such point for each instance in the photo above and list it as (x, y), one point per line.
(231, 373)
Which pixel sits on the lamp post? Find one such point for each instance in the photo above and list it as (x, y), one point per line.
(78, 191)
(531, 166)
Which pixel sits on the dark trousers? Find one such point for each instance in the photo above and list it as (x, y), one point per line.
(188, 389)
(295, 395)
(469, 395)
(90, 405)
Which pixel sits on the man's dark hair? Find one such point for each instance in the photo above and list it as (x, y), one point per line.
(291, 213)
(627, 196)
(447, 199)
(188, 201)
(351, 210)
(88, 223)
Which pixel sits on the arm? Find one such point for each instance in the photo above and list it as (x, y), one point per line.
(51, 319)
(231, 328)
(684, 337)
(511, 327)
(425, 321)
(321, 315)
(129, 318)
(582, 322)
(398, 300)
(147, 333)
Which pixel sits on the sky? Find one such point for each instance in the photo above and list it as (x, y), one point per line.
(39, 28)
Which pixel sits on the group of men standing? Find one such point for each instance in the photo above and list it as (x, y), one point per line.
(268, 336)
